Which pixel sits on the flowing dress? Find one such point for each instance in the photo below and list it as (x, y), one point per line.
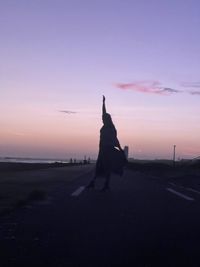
(110, 158)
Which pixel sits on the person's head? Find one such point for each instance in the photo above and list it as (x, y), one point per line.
(107, 120)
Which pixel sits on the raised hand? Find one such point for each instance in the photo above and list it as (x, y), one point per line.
(104, 106)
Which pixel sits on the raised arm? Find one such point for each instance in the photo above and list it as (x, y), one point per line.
(104, 106)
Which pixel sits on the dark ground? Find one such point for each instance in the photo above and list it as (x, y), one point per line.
(138, 223)
(13, 167)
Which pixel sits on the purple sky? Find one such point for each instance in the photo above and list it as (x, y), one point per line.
(63, 55)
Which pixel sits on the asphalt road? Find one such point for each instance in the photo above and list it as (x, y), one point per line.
(141, 221)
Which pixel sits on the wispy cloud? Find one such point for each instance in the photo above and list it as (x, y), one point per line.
(193, 87)
(194, 92)
(69, 112)
(18, 134)
(151, 87)
(191, 84)
(170, 90)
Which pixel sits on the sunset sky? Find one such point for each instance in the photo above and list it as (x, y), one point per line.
(63, 55)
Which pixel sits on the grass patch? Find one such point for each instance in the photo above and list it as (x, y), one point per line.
(37, 195)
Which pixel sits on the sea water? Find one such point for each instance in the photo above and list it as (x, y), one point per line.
(32, 160)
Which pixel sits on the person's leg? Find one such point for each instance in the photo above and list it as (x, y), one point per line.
(107, 182)
(92, 182)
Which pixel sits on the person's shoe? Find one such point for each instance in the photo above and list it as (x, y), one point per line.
(90, 185)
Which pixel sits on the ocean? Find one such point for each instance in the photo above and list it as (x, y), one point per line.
(32, 160)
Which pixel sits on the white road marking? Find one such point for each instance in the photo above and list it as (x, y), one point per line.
(193, 190)
(179, 194)
(78, 191)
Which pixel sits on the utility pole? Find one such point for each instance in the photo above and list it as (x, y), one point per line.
(174, 155)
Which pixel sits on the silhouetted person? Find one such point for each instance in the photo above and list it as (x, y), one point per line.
(111, 157)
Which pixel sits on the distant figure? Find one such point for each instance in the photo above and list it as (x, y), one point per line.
(111, 157)
(85, 160)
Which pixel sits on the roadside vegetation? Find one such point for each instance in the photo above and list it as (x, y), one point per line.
(167, 169)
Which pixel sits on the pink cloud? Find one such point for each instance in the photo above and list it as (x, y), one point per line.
(151, 87)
